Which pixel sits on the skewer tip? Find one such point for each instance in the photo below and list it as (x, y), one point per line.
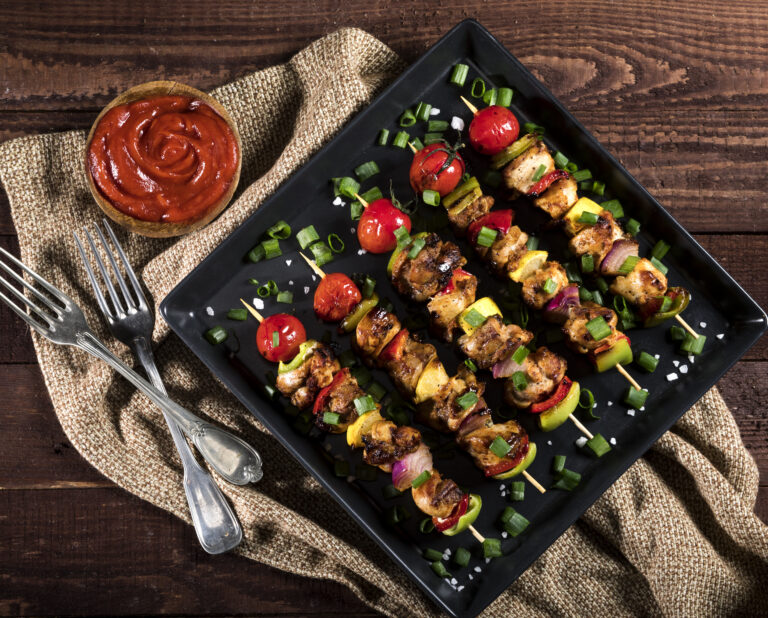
(471, 107)
(687, 326)
(628, 377)
(415, 150)
(253, 311)
(319, 271)
(480, 538)
(534, 482)
(361, 200)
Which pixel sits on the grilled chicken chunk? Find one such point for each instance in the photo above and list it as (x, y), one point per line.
(443, 412)
(533, 287)
(575, 327)
(341, 401)
(445, 308)
(544, 371)
(493, 342)
(386, 443)
(644, 283)
(406, 370)
(423, 276)
(374, 332)
(315, 373)
(518, 175)
(558, 198)
(597, 239)
(505, 252)
(460, 221)
(437, 496)
(478, 441)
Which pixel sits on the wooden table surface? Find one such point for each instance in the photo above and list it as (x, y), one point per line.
(678, 91)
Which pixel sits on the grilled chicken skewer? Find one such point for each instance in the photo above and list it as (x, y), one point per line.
(314, 377)
(449, 405)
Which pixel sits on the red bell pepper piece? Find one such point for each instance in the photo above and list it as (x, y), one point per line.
(507, 464)
(547, 180)
(603, 348)
(560, 392)
(323, 395)
(459, 272)
(394, 349)
(500, 220)
(654, 305)
(453, 518)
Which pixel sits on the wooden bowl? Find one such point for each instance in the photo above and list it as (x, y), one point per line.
(152, 228)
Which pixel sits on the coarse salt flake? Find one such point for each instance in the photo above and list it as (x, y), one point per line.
(504, 535)
(683, 368)
(288, 262)
(671, 377)
(470, 576)
(434, 111)
(478, 569)
(454, 581)
(290, 282)
(581, 441)
(209, 310)
(720, 336)
(631, 412)
(361, 252)
(612, 441)
(609, 404)
(314, 277)
(338, 201)
(457, 123)
(549, 442)
(676, 363)
(703, 324)
(657, 356)
(258, 303)
(460, 588)
(690, 359)
(487, 560)
(306, 289)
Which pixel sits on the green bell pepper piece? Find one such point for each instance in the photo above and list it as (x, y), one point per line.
(559, 413)
(679, 303)
(620, 353)
(527, 461)
(305, 349)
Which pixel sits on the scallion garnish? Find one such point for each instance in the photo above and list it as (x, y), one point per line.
(504, 98)
(568, 480)
(532, 244)
(614, 207)
(417, 144)
(517, 491)
(275, 338)
(677, 333)
(422, 111)
(635, 398)
(520, 354)
(421, 479)
(597, 297)
(237, 314)
(401, 139)
(437, 126)
(253, 281)
(474, 318)
(585, 185)
(439, 568)
(335, 242)
(499, 447)
(585, 295)
(271, 248)
(492, 548)
(558, 464)
(361, 374)
(633, 227)
(461, 556)
(660, 250)
(598, 445)
(467, 400)
(416, 246)
(470, 364)
(571, 167)
(286, 296)
(433, 138)
(459, 74)
(513, 522)
(532, 127)
(490, 96)
(539, 173)
(307, 236)
(598, 328)
(377, 391)
(588, 218)
(573, 273)
(383, 137)
(280, 230)
(586, 399)
(602, 285)
(666, 303)
(486, 237)
(581, 175)
(587, 263)
(364, 404)
(215, 335)
(426, 525)
(629, 265)
(372, 194)
(431, 197)
(331, 418)
(478, 88)
(407, 119)
(549, 286)
(257, 253)
(348, 187)
(402, 235)
(519, 380)
(366, 170)
(598, 188)
(693, 345)
(321, 253)
(432, 554)
(560, 160)
(355, 210)
(369, 285)
(647, 361)
(659, 265)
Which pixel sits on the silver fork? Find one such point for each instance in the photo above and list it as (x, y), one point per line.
(55, 316)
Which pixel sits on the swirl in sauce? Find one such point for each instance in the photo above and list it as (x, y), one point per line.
(165, 159)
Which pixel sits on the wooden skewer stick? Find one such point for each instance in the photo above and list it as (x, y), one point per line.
(480, 538)
(318, 271)
(629, 378)
(361, 200)
(471, 107)
(687, 326)
(415, 150)
(534, 482)
(583, 429)
(253, 311)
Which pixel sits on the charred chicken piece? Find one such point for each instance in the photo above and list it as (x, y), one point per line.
(597, 240)
(544, 371)
(575, 327)
(406, 368)
(534, 293)
(445, 308)
(461, 221)
(493, 342)
(558, 199)
(437, 496)
(518, 175)
(386, 443)
(374, 332)
(642, 285)
(442, 412)
(341, 401)
(477, 440)
(315, 373)
(421, 277)
(504, 254)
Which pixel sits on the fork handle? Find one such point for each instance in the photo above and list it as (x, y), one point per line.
(214, 520)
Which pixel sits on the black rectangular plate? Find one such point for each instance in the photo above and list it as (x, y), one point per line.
(305, 198)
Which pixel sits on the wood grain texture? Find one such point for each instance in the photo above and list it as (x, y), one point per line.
(677, 91)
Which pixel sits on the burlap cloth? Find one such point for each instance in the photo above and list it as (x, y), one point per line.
(676, 535)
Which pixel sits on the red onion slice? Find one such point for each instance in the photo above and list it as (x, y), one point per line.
(558, 309)
(410, 466)
(620, 251)
(506, 367)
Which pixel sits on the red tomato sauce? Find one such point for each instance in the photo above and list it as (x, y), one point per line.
(165, 159)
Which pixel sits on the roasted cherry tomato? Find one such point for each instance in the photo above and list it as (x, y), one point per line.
(453, 518)
(437, 167)
(284, 346)
(499, 220)
(376, 230)
(493, 129)
(507, 464)
(335, 297)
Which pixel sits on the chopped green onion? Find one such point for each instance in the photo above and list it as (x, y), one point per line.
(532, 244)
(340, 467)
(539, 173)
(558, 464)
(216, 335)
(571, 167)
(532, 127)
(629, 265)
(614, 207)
(402, 235)
(478, 88)
(347, 358)
(390, 491)
(383, 137)
(321, 253)
(660, 250)
(582, 175)
(490, 96)
(364, 472)
(271, 248)
(417, 144)
(279, 230)
(372, 194)
(585, 295)
(467, 400)
(549, 286)
(486, 237)
(597, 297)
(275, 338)
(470, 364)
(459, 74)
(659, 265)
(585, 185)
(666, 303)
(519, 355)
(237, 314)
(474, 318)
(307, 236)
(519, 381)
(633, 227)
(461, 556)
(598, 188)
(598, 445)
(677, 333)
(568, 480)
(492, 178)
(573, 273)
(647, 361)
(335, 242)
(257, 253)
(432, 554)
(499, 447)
(263, 291)
(253, 281)
(355, 210)
(515, 524)
(364, 404)
(560, 160)
(439, 569)
(366, 170)
(598, 328)
(491, 548)
(586, 399)
(693, 345)
(401, 139)
(422, 111)
(431, 197)
(432, 138)
(361, 375)
(348, 187)
(369, 285)
(588, 218)
(331, 418)
(602, 285)
(426, 525)
(587, 263)
(635, 398)
(421, 479)
(377, 391)
(416, 246)
(286, 296)
(407, 119)
(517, 491)
(504, 98)
(437, 126)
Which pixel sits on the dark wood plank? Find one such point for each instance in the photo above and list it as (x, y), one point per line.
(105, 552)
(14, 333)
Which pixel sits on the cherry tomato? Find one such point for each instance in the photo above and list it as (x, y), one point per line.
(290, 335)
(335, 297)
(437, 167)
(493, 129)
(499, 220)
(376, 230)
